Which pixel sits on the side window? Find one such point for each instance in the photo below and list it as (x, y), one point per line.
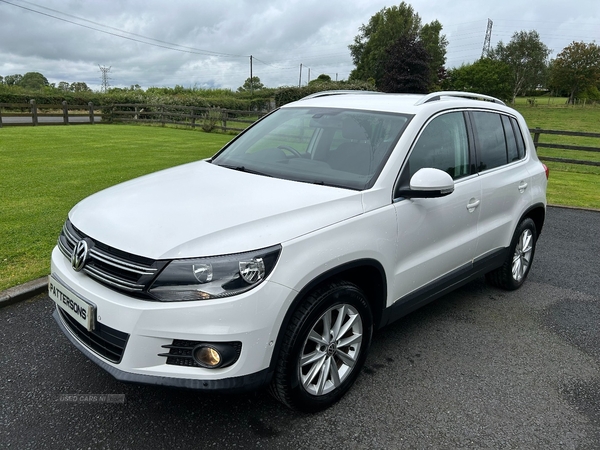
(491, 144)
(443, 145)
(511, 142)
(519, 137)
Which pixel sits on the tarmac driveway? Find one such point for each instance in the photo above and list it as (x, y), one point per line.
(479, 368)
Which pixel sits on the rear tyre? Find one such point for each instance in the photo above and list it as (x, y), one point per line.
(324, 348)
(512, 274)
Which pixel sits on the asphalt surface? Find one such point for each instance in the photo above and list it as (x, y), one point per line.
(43, 119)
(479, 368)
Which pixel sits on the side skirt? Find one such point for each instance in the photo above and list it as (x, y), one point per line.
(444, 285)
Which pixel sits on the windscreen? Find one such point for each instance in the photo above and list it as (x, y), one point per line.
(333, 147)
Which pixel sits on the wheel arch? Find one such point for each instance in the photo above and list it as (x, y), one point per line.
(367, 274)
(537, 213)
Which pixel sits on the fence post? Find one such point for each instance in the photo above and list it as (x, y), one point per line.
(65, 113)
(536, 137)
(162, 115)
(34, 113)
(224, 121)
(91, 110)
(193, 118)
(0, 116)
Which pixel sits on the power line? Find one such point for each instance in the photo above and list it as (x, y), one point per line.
(130, 33)
(168, 46)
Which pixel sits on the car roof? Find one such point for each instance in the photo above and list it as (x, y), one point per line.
(403, 103)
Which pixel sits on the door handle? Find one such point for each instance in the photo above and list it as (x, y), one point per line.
(522, 186)
(473, 203)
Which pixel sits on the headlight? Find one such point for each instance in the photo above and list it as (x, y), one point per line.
(213, 277)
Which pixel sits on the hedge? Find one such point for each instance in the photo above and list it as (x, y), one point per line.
(259, 100)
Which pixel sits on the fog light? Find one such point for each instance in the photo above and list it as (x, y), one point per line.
(207, 356)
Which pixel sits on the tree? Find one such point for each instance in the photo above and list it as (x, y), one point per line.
(406, 67)
(63, 86)
(33, 81)
(435, 43)
(576, 69)
(369, 49)
(79, 86)
(251, 84)
(384, 27)
(13, 80)
(527, 57)
(323, 78)
(485, 76)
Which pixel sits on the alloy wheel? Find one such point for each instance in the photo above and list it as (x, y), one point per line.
(331, 349)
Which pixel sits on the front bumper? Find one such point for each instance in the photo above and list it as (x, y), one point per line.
(230, 385)
(252, 318)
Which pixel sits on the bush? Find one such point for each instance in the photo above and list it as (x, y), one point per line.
(210, 119)
(292, 93)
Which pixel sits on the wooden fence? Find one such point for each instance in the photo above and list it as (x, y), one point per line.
(192, 116)
(32, 114)
(28, 114)
(536, 140)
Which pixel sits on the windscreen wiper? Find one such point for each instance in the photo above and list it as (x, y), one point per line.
(244, 169)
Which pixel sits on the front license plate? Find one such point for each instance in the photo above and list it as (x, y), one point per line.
(79, 309)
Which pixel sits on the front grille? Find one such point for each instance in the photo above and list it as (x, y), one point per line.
(105, 341)
(114, 268)
(180, 352)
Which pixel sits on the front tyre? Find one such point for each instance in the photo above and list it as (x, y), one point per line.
(512, 274)
(324, 347)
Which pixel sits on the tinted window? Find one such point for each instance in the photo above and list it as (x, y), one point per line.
(511, 142)
(490, 139)
(443, 145)
(519, 137)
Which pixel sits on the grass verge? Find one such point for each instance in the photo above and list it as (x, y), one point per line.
(45, 171)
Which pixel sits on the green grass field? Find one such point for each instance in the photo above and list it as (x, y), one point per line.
(45, 171)
(569, 184)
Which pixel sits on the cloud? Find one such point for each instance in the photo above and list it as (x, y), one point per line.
(215, 39)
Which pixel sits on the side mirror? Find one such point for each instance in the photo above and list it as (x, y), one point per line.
(428, 183)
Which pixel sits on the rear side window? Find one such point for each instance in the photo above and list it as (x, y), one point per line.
(491, 142)
(519, 138)
(511, 141)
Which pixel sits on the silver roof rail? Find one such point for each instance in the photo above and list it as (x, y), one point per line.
(338, 92)
(435, 96)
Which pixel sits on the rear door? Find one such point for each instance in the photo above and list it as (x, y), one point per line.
(504, 177)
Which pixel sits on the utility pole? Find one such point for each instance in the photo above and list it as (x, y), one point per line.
(105, 78)
(309, 74)
(300, 79)
(251, 81)
(488, 38)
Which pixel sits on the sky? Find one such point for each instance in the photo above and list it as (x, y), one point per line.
(208, 44)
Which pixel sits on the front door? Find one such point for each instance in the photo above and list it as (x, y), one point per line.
(437, 236)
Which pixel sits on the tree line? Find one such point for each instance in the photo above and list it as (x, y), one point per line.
(35, 81)
(395, 52)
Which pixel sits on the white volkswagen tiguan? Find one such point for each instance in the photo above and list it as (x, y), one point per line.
(272, 263)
